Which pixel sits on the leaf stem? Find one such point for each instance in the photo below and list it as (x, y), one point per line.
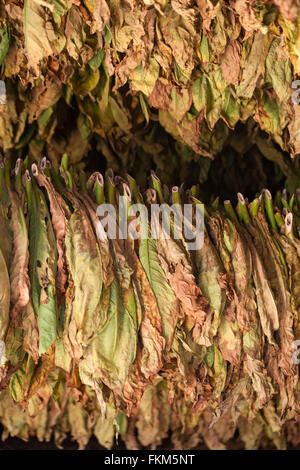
(270, 210)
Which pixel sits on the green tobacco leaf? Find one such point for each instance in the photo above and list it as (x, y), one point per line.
(209, 95)
(105, 429)
(230, 110)
(165, 297)
(20, 381)
(203, 50)
(279, 70)
(74, 33)
(45, 116)
(4, 298)
(84, 82)
(144, 80)
(78, 419)
(219, 368)
(155, 414)
(120, 116)
(144, 107)
(4, 40)
(43, 266)
(96, 61)
(202, 95)
(270, 117)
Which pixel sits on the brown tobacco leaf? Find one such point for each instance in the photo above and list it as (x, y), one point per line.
(40, 376)
(230, 62)
(282, 298)
(179, 273)
(37, 44)
(294, 130)
(152, 339)
(230, 340)
(112, 350)
(100, 15)
(43, 96)
(60, 214)
(160, 96)
(180, 103)
(258, 374)
(289, 9)
(151, 327)
(126, 66)
(31, 332)
(245, 10)
(154, 416)
(253, 65)
(103, 242)
(291, 250)
(229, 336)
(20, 284)
(151, 48)
(265, 300)
(85, 271)
(242, 268)
(6, 240)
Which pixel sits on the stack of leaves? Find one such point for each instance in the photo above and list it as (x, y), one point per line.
(143, 337)
(126, 75)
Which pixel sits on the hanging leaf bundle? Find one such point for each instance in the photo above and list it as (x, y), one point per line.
(141, 338)
(130, 79)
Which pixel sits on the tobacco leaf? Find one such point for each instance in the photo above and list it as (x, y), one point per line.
(43, 266)
(161, 289)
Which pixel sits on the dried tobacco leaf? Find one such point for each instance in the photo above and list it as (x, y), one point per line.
(197, 343)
